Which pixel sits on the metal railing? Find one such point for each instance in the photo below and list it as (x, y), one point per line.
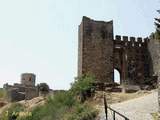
(113, 111)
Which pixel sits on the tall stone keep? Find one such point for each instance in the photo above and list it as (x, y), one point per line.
(95, 50)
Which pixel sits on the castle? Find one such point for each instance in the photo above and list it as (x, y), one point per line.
(26, 90)
(99, 53)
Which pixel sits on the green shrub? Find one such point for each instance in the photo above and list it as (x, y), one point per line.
(157, 24)
(63, 99)
(81, 112)
(83, 87)
(54, 108)
(43, 87)
(82, 84)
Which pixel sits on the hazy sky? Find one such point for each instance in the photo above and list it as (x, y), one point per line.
(41, 36)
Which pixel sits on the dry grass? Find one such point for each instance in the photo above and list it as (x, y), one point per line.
(120, 97)
(117, 97)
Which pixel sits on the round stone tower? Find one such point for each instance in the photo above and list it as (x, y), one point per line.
(28, 79)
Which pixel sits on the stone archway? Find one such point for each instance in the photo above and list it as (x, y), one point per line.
(117, 76)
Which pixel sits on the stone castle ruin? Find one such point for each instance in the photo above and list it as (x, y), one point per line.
(26, 90)
(99, 53)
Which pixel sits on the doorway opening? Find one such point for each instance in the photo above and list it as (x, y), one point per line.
(117, 76)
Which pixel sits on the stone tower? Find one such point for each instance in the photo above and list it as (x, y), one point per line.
(95, 50)
(28, 79)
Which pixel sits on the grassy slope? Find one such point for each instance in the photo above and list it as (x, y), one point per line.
(62, 106)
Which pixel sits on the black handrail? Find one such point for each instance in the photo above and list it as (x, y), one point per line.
(114, 112)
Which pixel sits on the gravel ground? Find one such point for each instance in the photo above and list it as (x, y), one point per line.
(135, 109)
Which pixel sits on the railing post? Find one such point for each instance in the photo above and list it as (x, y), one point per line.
(106, 107)
(114, 117)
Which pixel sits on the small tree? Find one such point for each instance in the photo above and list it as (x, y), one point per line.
(43, 88)
(83, 87)
(157, 24)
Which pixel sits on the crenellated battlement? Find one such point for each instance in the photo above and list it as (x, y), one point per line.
(131, 39)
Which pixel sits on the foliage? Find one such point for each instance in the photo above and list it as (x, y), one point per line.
(82, 112)
(157, 24)
(156, 116)
(63, 106)
(43, 87)
(82, 84)
(12, 111)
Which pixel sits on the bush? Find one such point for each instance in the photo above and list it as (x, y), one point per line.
(54, 108)
(43, 87)
(81, 112)
(83, 86)
(157, 24)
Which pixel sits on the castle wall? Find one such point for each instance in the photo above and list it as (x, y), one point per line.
(99, 54)
(154, 49)
(18, 93)
(31, 92)
(80, 48)
(131, 59)
(96, 49)
(14, 95)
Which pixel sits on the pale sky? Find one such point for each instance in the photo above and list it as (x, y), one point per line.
(41, 36)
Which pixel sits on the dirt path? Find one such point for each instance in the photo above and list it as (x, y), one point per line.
(136, 109)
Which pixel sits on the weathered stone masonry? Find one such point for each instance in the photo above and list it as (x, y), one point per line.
(96, 49)
(99, 54)
(154, 48)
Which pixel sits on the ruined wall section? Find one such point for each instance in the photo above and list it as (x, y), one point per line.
(96, 49)
(154, 50)
(24, 91)
(31, 92)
